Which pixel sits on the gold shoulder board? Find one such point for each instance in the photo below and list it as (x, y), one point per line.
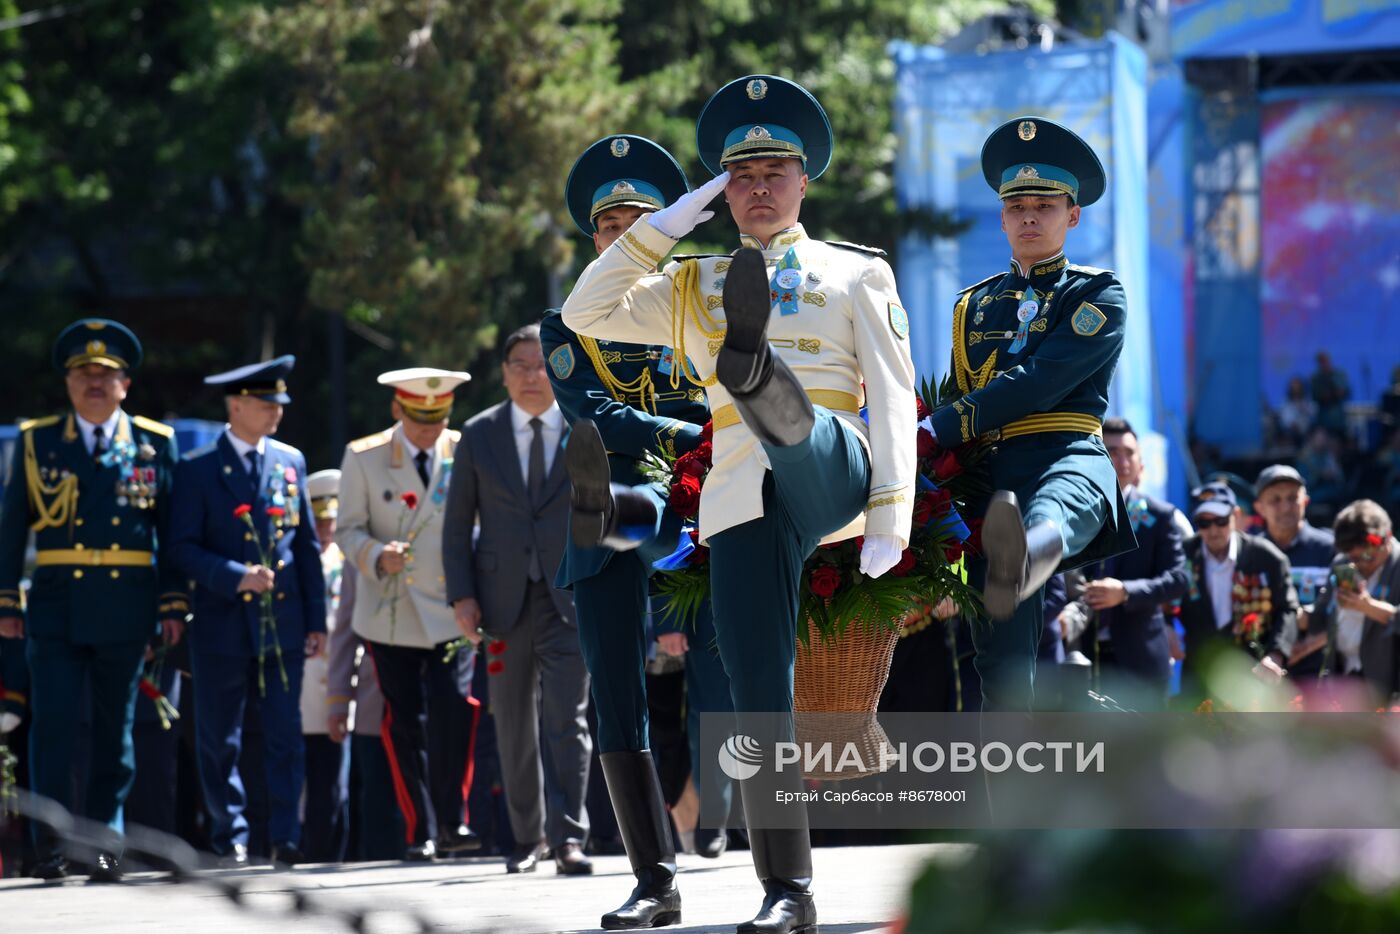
(153, 426)
(44, 422)
(370, 442)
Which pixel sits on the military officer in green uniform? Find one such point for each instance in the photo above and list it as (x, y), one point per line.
(620, 405)
(790, 337)
(93, 485)
(1034, 349)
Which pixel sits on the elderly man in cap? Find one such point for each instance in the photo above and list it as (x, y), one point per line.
(327, 823)
(94, 486)
(1239, 595)
(1281, 497)
(790, 337)
(1034, 349)
(393, 496)
(242, 530)
(617, 398)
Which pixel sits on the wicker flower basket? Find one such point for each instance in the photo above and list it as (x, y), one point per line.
(836, 692)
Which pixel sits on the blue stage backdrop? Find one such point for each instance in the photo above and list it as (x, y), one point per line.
(944, 108)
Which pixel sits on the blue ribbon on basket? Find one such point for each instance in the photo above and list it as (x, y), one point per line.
(950, 523)
(678, 558)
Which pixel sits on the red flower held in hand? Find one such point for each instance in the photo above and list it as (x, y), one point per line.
(685, 495)
(705, 453)
(905, 565)
(276, 512)
(699, 557)
(495, 647)
(707, 432)
(921, 409)
(495, 666)
(241, 510)
(974, 539)
(925, 445)
(410, 499)
(825, 581)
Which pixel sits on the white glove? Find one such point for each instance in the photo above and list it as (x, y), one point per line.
(879, 554)
(677, 220)
(8, 721)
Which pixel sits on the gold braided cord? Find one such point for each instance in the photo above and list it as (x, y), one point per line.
(686, 302)
(641, 387)
(55, 505)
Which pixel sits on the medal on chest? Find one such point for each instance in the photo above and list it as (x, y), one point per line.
(1025, 314)
(787, 276)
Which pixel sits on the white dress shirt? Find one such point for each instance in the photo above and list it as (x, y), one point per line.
(412, 452)
(1220, 581)
(1351, 624)
(242, 447)
(109, 428)
(552, 431)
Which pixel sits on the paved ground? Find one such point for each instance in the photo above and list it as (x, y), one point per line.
(858, 889)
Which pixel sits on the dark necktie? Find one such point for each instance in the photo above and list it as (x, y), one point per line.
(254, 467)
(421, 461)
(535, 482)
(99, 443)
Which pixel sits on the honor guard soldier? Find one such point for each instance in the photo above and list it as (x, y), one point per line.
(94, 486)
(243, 532)
(618, 398)
(393, 492)
(1034, 349)
(782, 335)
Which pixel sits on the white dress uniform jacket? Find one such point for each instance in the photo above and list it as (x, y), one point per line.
(850, 328)
(375, 473)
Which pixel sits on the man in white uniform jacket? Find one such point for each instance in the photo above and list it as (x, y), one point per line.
(393, 491)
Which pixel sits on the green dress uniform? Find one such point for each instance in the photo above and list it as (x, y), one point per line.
(1034, 351)
(101, 583)
(621, 392)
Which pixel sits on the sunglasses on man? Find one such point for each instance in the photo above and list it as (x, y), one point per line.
(1212, 522)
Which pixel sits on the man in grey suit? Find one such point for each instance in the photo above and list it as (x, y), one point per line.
(509, 477)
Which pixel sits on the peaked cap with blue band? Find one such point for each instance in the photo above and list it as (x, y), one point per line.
(622, 170)
(762, 116)
(267, 380)
(97, 340)
(1033, 156)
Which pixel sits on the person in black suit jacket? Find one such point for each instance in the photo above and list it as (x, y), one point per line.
(1239, 596)
(1127, 591)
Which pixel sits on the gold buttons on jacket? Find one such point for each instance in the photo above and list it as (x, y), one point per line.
(77, 574)
(247, 596)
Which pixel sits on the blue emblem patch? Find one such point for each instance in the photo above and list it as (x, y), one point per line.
(899, 321)
(562, 361)
(1088, 320)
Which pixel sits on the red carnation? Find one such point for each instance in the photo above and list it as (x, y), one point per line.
(974, 538)
(495, 666)
(707, 431)
(825, 581)
(410, 499)
(276, 512)
(922, 409)
(1374, 540)
(241, 510)
(705, 453)
(685, 495)
(946, 466)
(699, 557)
(495, 647)
(905, 565)
(691, 465)
(149, 688)
(694, 537)
(926, 444)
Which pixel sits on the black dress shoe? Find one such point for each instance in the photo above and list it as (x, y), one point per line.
(288, 854)
(526, 858)
(711, 844)
(420, 852)
(50, 867)
(107, 868)
(570, 861)
(235, 858)
(783, 912)
(458, 840)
